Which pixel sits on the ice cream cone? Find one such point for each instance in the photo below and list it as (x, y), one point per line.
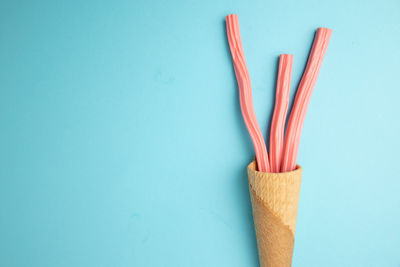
(275, 199)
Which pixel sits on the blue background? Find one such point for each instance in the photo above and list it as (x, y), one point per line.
(122, 143)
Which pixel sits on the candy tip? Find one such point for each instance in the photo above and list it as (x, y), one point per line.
(231, 16)
(325, 30)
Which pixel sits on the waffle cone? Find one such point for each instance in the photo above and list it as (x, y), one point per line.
(275, 199)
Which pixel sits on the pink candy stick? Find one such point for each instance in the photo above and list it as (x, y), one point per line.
(280, 111)
(246, 101)
(303, 95)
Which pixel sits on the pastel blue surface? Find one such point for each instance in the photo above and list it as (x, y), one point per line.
(122, 143)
